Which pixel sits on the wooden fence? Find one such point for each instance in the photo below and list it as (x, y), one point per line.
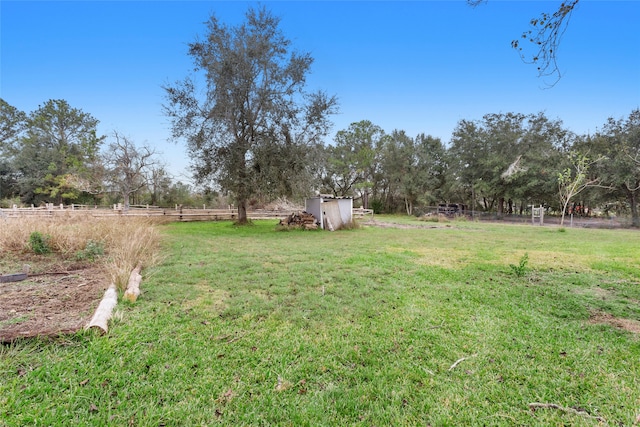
(171, 214)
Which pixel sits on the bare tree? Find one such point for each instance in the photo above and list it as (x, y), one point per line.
(159, 181)
(128, 166)
(573, 179)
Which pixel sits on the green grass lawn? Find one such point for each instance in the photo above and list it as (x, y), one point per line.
(372, 326)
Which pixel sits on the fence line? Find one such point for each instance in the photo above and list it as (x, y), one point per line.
(172, 214)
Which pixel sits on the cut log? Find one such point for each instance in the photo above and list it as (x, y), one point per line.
(104, 311)
(133, 287)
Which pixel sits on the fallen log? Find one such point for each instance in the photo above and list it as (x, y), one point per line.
(104, 311)
(17, 277)
(133, 286)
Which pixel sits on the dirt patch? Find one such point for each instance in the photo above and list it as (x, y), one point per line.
(55, 299)
(602, 318)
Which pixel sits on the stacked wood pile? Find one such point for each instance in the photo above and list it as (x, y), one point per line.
(300, 219)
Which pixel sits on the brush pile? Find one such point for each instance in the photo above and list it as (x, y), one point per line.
(302, 219)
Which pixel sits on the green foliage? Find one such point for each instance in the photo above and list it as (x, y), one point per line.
(283, 117)
(8, 203)
(92, 250)
(59, 142)
(377, 205)
(40, 244)
(353, 160)
(521, 269)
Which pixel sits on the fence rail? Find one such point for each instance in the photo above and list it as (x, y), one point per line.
(171, 214)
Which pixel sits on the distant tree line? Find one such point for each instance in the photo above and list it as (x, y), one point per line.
(55, 155)
(501, 164)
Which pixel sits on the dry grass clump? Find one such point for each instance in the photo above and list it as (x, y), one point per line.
(131, 242)
(434, 218)
(127, 241)
(65, 235)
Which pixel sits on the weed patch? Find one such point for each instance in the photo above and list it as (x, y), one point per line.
(521, 269)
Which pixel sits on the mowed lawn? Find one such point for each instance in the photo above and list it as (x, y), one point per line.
(448, 324)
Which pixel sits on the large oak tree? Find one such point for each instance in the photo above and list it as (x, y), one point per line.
(253, 106)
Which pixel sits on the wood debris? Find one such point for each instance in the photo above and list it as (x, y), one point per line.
(300, 219)
(133, 286)
(104, 311)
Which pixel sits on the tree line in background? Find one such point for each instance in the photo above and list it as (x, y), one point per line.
(255, 134)
(55, 155)
(503, 164)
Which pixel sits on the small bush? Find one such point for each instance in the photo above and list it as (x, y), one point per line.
(40, 244)
(91, 251)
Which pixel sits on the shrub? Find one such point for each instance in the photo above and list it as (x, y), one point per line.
(377, 205)
(39, 243)
(91, 251)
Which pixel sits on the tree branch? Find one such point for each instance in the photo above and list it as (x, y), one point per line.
(545, 34)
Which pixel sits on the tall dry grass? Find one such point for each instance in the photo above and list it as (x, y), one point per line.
(127, 241)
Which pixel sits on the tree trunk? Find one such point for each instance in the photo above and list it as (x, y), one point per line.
(408, 206)
(631, 197)
(126, 201)
(500, 207)
(242, 212)
(564, 211)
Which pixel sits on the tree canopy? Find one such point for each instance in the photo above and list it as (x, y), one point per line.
(58, 142)
(250, 126)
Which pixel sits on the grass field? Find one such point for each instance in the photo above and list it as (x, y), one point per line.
(450, 324)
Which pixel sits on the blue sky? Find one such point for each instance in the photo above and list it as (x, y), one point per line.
(418, 66)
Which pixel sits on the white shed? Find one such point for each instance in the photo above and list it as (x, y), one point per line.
(332, 213)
